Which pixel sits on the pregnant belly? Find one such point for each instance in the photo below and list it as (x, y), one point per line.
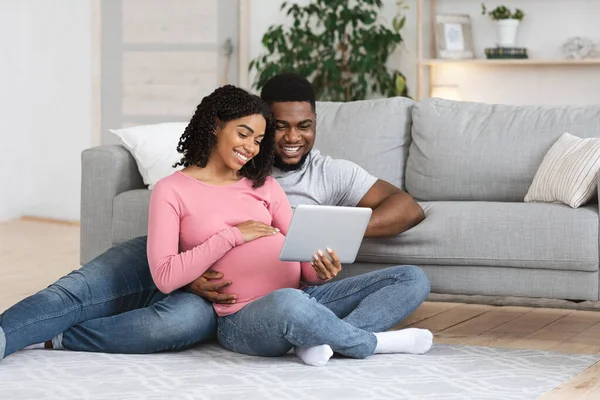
(255, 270)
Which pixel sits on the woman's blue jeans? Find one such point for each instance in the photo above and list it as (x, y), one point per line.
(343, 314)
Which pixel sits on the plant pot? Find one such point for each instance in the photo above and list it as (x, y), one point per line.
(507, 32)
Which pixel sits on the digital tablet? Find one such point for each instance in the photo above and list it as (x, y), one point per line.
(316, 228)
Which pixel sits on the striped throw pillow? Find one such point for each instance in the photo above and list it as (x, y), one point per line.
(568, 173)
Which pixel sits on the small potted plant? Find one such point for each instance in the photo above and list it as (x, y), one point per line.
(507, 23)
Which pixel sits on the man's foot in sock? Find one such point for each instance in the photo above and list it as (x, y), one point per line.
(410, 340)
(316, 356)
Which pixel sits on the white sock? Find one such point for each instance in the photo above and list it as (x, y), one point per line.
(35, 346)
(316, 356)
(410, 340)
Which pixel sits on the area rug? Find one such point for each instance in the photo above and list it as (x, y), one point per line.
(447, 372)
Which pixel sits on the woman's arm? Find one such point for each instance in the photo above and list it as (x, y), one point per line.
(171, 269)
(309, 275)
(281, 213)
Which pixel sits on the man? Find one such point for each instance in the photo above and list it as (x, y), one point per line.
(112, 304)
(308, 177)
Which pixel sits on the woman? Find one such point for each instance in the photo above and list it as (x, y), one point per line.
(223, 212)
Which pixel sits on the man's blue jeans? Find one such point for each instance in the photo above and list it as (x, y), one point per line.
(111, 305)
(343, 314)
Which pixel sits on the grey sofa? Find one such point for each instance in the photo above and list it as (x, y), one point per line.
(468, 164)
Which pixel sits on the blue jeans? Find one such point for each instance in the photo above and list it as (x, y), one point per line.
(109, 305)
(343, 314)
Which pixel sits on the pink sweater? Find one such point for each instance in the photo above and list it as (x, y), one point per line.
(192, 228)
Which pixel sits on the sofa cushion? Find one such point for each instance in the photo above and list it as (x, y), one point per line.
(375, 134)
(154, 148)
(130, 215)
(475, 151)
(519, 235)
(568, 173)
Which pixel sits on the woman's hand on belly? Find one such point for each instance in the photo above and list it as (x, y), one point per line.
(252, 230)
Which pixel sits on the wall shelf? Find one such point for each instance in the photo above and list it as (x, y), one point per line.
(426, 48)
(533, 62)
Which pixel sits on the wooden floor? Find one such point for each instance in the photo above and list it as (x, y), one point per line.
(34, 254)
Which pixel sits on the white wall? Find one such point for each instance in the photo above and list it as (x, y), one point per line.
(47, 111)
(15, 153)
(547, 24)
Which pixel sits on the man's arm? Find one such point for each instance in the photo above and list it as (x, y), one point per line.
(206, 287)
(394, 211)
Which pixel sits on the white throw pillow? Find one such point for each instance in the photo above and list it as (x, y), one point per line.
(568, 173)
(154, 148)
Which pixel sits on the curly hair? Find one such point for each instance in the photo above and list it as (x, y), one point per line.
(225, 104)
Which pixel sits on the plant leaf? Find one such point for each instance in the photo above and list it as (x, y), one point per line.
(341, 46)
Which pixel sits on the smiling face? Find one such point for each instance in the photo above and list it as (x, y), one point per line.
(294, 133)
(238, 141)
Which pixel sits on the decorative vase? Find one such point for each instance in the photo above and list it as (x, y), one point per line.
(507, 32)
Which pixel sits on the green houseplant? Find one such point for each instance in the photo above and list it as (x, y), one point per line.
(341, 46)
(507, 23)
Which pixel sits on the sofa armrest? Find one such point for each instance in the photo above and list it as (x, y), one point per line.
(106, 171)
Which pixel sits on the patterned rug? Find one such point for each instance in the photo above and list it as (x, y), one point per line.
(445, 373)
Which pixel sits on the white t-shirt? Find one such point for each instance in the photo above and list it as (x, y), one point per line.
(325, 181)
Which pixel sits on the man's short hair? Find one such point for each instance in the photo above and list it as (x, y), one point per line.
(288, 86)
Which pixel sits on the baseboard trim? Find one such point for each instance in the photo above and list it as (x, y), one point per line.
(49, 220)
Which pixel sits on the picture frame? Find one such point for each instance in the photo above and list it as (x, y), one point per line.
(454, 36)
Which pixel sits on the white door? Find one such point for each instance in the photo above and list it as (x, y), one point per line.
(160, 57)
